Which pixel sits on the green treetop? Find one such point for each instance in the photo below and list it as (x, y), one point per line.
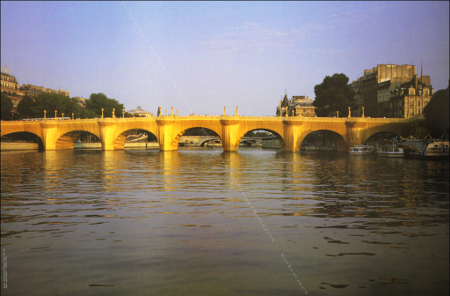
(334, 94)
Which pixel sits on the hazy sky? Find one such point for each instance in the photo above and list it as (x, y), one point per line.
(201, 56)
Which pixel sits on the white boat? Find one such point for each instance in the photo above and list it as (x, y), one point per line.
(361, 150)
(391, 151)
(437, 149)
(434, 149)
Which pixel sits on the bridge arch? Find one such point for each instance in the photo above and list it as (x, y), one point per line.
(209, 132)
(381, 135)
(18, 134)
(209, 141)
(247, 142)
(382, 138)
(327, 136)
(9, 127)
(276, 134)
(68, 139)
(119, 142)
(24, 136)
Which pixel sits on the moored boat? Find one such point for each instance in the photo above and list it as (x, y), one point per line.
(391, 151)
(435, 149)
(361, 150)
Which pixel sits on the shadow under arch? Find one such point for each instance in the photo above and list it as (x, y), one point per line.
(197, 131)
(325, 139)
(275, 136)
(382, 137)
(142, 135)
(23, 137)
(67, 140)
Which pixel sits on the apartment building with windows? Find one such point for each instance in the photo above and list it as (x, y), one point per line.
(410, 98)
(374, 89)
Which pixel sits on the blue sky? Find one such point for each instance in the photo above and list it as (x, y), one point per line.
(201, 56)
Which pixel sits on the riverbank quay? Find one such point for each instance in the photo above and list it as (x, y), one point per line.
(15, 146)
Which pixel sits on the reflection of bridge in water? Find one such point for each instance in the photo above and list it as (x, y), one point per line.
(231, 130)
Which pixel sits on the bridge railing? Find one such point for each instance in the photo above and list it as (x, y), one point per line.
(217, 117)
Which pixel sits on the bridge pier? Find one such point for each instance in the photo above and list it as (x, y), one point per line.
(49, 134)
(166, 138)
(230, 133)
(107, 133)
(292, 128)
(355, 132)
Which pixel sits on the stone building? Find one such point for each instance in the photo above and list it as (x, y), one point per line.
(357, 87)
(283, 106)
(33, 91)
(81, 101)
(410, 98)
(303, 106)
(11, 87)
(373, 89)
(139, 112)
(297, 106)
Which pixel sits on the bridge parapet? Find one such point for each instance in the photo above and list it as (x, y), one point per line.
(165, 120)
(107, 122)
(293, 121)
(48, 124)
(230, 120)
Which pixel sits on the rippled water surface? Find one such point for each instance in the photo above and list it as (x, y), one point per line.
(205, 222)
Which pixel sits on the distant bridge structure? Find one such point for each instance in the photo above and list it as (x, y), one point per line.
(290, 131)
(202, 140)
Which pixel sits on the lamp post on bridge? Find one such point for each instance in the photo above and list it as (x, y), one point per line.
(102, 112)
(56, 111)
(45, 114)
(123, 113)
(113, 113)
(72, 116)
(363, 112)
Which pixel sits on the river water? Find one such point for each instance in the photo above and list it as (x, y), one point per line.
(204, 222)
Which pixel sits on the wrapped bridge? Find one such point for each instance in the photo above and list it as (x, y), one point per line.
(112, 132)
